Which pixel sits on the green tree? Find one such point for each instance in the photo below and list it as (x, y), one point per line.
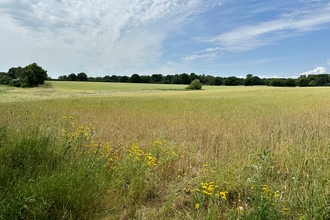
(277, 82)
(195, 84)
(31, 75)
(156, 78)
(135, 78)
(290, 82)
(231, 81)
(72, 77)
(185, 78)
(145, 79)
(248, 80)
(82, 76)
(63, 77)
(218, 81)
(12, 72)
(5, 79)
(124, 79)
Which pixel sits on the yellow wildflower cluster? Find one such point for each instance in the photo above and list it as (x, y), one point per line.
(211, 190)
(69, 132)
(268, 193)
(141, 156)
(105, 151)
(158, 143)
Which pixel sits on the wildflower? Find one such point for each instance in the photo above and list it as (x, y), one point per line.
(207, 193)
(64, 117)
(223, 195)
(197, 206)
(186, 190)
(72, 123)
(240, 208)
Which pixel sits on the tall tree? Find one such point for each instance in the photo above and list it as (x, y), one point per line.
(248, 80)
(82, 76)
(135, 78)
(31, 75)
(72, 77)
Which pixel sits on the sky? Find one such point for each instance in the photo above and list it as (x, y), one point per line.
(265, 38)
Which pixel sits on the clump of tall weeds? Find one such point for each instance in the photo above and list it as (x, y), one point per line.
(47, 173)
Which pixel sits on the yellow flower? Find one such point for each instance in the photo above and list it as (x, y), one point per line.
(223, 195)
(197, 206)
(71, 117)
(64, 117)
(240, 208)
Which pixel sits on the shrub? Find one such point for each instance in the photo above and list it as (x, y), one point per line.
(195, 84)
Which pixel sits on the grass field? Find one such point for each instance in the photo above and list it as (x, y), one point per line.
(148, 151)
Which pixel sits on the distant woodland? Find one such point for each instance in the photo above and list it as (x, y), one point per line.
(33, 75)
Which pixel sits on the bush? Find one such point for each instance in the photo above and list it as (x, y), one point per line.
(195, 84)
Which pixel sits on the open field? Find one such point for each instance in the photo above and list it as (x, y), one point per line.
(218, 153)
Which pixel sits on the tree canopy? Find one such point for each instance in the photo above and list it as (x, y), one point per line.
(28, 76)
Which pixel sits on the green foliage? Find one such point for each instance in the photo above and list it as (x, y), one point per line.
(249, 80)
(5, 79)
(231, 81)
(82, 76)
(195, 84)
(135, 78)
(124, 79)
(72, 77)
(29, 76)
(46, 176)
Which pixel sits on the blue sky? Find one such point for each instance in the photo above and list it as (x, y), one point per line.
(121, 37)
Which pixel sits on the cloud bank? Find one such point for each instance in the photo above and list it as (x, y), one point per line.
(317, 70)
(104, 35)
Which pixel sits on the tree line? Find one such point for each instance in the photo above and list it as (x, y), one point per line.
(184, 78)
(33, 75)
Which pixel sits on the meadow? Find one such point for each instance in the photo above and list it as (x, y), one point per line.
(83, 150)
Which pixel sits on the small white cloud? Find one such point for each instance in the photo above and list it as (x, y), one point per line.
(317, 70)
(195, 56)
(328, 61)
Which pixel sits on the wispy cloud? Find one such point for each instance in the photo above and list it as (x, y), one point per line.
(196, 56)
(249, 37)
(328, 61)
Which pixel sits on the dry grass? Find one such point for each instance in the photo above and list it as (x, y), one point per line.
(247, 135)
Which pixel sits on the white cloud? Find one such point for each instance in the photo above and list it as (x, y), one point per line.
(195, 56)
(252, 36)
(328, 61)
(317, 70)
(98, 35)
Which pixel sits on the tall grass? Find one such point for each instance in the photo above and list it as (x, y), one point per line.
(219, 153)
